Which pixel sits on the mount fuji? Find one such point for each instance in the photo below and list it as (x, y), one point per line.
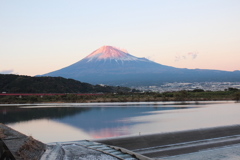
(112, 66)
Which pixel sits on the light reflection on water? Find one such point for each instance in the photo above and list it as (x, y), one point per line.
(51, 124)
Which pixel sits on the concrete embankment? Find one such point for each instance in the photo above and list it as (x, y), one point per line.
(175, 143)
(17, 146)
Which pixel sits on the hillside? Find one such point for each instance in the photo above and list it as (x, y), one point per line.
(11, 83)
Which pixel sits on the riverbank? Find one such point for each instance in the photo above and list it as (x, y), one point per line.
(198, 95)
(218, 142)
(164, 145)
(17, 146)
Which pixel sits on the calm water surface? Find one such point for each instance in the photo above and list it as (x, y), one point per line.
(68, 122)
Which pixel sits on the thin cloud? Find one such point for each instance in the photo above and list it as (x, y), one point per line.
(189, 55)
(177, 57)
(193, 54)
(7, 71)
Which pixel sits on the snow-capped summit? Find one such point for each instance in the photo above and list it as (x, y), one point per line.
(110, 53)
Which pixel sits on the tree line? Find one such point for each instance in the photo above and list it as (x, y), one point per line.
(11, 83)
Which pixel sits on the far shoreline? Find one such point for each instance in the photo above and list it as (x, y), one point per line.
(179, 96)
(112, 104)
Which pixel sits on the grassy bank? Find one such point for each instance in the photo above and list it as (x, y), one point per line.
(197, 95)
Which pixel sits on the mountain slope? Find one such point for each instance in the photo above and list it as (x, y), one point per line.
(113, 66)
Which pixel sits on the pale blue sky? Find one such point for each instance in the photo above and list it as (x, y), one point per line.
(37, 37)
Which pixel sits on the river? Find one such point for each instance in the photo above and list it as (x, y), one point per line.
(59, 122)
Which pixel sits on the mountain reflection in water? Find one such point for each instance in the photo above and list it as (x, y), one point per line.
(87, 118)
(69, 122)
(97, 122)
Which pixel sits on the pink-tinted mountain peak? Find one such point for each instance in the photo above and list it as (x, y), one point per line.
(108, 52)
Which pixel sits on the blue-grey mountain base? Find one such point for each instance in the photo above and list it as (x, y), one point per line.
(112, 66)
